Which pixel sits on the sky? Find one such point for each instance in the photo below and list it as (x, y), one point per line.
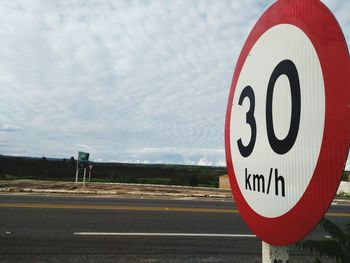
(127, 81)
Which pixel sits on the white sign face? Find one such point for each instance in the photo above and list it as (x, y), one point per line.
(277, 120)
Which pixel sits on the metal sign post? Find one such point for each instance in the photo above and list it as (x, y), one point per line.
(90, 169)
(82, 162)
(274, 254)
(84, 176)
(77, 172)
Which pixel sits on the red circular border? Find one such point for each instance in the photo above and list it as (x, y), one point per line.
(319, 24)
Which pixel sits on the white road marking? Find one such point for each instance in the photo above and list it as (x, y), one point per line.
(159, 234)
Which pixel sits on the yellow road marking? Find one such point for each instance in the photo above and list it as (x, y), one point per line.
(113, 207)
(338, 214)
(134, 208)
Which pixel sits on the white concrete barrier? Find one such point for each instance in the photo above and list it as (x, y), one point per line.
(224, 182)
(344, 187)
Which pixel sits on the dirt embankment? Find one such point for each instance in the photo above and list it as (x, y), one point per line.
(34, 186)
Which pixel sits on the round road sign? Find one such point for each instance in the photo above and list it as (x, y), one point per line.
(287, 130)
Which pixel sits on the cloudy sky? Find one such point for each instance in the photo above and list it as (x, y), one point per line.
(127, 81)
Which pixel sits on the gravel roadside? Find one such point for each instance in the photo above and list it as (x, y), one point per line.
(117, 189)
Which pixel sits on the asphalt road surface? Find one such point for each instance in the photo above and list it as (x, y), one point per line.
(105, 229)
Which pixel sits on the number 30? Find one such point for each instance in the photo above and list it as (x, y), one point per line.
(285, 67)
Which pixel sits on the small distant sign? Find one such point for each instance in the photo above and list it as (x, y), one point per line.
(83, 159)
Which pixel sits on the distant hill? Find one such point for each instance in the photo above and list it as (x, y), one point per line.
(64, 169)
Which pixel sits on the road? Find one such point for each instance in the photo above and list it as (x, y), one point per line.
(105, 229)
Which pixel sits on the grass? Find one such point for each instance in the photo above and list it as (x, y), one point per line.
(14, 168)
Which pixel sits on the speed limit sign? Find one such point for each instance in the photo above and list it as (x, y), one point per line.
(287, 129)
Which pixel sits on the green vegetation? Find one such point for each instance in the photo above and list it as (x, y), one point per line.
(12, 168)
(336, 247)
(344, 195)
(346, 176)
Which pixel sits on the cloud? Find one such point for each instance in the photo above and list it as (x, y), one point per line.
(195, 156)
(82, 145)
(122, 77)
(347, 165)
(10, 127)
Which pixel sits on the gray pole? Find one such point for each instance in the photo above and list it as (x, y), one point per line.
(77, 172)
(84, 177)
(274, 254)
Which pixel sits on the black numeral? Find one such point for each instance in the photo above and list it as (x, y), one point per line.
(248, 93)
(285, 67)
